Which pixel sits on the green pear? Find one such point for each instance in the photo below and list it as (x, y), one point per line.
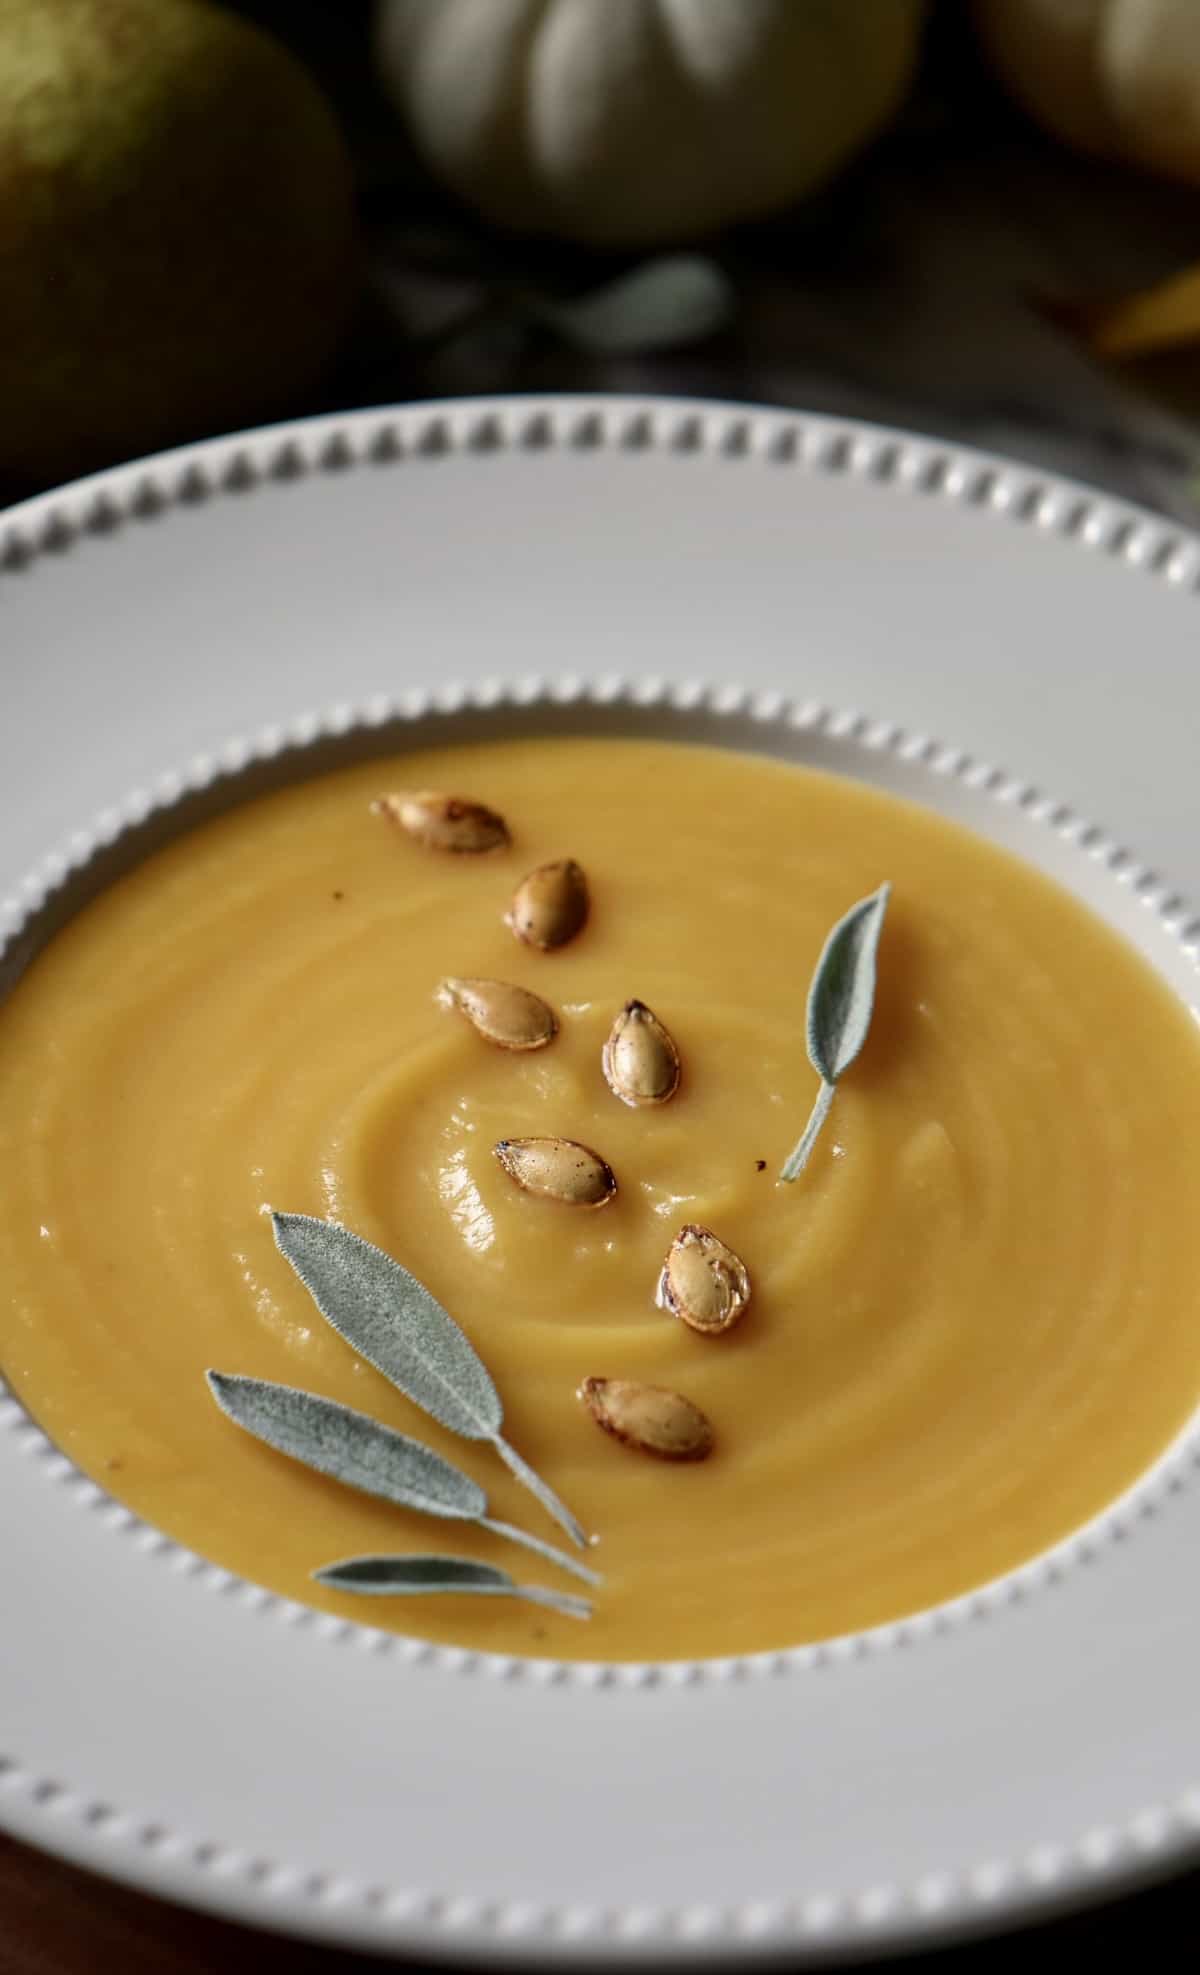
(177, 245)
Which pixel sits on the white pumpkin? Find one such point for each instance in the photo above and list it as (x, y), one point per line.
(1119, 77)
(626, 122)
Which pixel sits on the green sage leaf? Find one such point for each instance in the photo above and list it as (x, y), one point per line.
(841, 999)
(410, 1577)
(392, 1321)
(398, 1326)
(352, 1448)
(348, 1446)
(842, 994)
(660, 305)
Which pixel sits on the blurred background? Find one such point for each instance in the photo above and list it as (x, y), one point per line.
(976, 217)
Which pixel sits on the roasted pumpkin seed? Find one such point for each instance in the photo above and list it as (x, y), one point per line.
(649, 1417)
(703, 1282)
(444, 822)
(509, 1016)
(640, 1061)
(550, 905)
(557, 1169)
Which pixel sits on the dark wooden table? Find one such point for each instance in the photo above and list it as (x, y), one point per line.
(56, 1920)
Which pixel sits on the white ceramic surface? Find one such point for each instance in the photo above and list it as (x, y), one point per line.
(1025, 1747)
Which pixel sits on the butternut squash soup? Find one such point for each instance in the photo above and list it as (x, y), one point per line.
(968, 1325)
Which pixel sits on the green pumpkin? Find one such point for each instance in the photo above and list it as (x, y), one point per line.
(176, 229)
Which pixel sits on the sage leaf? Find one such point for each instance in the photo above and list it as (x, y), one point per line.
(666, 302)
(393, 1321)
(362, 1453)
(349, 1446)
(842, 994)
(410, 1577)
(840, 1001)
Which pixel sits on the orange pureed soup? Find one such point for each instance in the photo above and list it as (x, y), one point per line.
(975, 1317)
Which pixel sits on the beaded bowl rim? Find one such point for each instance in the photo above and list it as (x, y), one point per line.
(1051, 1877)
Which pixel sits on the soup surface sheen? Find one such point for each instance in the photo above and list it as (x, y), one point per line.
(974, 1317)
